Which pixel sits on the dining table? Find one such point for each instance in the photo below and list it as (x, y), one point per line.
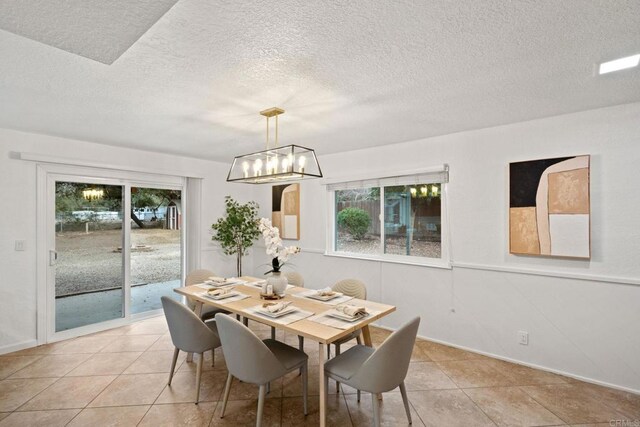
(311, 319)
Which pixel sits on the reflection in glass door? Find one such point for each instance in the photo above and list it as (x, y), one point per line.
(156, 247)
(89, 235)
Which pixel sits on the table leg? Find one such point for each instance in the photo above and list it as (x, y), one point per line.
(197, 309)
(322, 354)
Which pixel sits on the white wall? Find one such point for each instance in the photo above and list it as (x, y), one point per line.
(588, 328)
(18, 217)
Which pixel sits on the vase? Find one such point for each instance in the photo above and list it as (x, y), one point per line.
(278, 282)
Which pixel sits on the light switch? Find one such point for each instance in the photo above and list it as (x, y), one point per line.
(21, 245)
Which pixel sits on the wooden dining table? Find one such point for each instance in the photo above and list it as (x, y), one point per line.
(310, 329)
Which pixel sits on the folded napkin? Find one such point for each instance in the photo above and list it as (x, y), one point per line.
(275, 307)
(216, 279)
(326, 292)
(352, 310)
(218, 292)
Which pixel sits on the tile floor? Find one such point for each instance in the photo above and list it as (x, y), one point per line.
(118, 378)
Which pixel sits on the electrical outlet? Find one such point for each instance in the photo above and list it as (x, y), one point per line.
(523, 338)
(21, 245)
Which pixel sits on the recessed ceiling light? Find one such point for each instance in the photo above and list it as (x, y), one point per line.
(619, 64)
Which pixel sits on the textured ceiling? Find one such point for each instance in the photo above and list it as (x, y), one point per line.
(349, 74)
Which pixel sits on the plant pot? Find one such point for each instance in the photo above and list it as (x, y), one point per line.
(278, 282)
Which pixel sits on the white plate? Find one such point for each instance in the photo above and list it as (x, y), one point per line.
(340, 315)
(219, 297)
(266, 312)
(325, 297)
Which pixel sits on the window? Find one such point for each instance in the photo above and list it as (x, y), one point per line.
(396, 219)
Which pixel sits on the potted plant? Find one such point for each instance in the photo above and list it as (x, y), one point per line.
(237, 230)
(279, 253)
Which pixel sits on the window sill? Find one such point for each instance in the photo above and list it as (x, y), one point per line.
(432, 263)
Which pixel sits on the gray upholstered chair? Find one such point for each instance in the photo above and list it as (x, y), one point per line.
(379, 370)
(294, 278)
(190, 334)
(199, 276)
(353, 288)
(257, 362)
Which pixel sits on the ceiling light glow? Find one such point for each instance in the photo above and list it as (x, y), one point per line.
(619, 64)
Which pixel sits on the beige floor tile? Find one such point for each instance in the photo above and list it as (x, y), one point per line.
(244, 391)
(39, 350)
(154, 361)
(292, 383)
(438, 352)
(163, 344)
(244, 412)
(419, 354)
(572, 403)
(90, 344)
(391, 409)
(626, 403)
(206, 366)
(4, 415)
(591, 425)
(183, 387)
(113, 331)
(139, 389)
(55, 365)
(293, 413)
(473, 373)
(69, 392)
(11, 364)
(523, 375)
(427, 376)
(105, 364)
(14, 393)
(179, 414)
(130, 343)
(449, 408)
(149, 328)
(40, 418)
(510, 406)
(117, 416)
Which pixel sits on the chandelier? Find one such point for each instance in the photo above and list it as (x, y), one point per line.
(275, 164)
(92, 194)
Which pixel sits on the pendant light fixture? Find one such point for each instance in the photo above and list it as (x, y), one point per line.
(275, 164)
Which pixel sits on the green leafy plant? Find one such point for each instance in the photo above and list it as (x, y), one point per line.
(237, 230)
(356, 221)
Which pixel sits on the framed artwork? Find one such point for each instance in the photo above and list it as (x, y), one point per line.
(285, 210)
(549, 207)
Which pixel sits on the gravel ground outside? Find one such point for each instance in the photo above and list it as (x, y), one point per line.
(370, 245)
(92, 261)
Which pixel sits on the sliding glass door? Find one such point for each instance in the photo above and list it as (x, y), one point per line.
(156, 249)
(88, 257)
(114, 247)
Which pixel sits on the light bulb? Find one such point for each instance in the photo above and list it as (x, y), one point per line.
(257, 165)
(245, 168)
(434, 190)
(285, 165)
(423, 190)
(413, 191)
(301, 162)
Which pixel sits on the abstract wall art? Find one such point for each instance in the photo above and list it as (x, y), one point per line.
(549, 207)
(285, 210)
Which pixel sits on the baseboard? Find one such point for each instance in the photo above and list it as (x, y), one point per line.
(530, 365)
(18, 346)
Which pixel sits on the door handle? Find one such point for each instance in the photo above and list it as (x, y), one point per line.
(53, 257)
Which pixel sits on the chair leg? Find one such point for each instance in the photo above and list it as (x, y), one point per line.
(358, 339)
(225, 399)
(328, 351)
(358, 396)
(337, 354)
(245, 320)
(260, 405)
(405, 400)
(301, 348)
(273, 333)
(213, 357)
(269, 387)
(376, 409)
(173, 364)
(199, 376)
(305, 375)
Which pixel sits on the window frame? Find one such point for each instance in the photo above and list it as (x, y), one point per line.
(442, 262)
